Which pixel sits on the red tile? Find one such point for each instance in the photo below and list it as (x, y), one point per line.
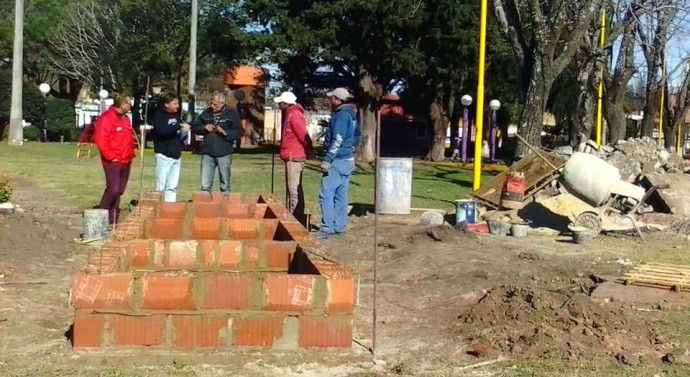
(88, 330)
(243, 229)
(167, 229)
(106, 291)
(279, 254)
(207, 210)
(227, 291)
(199, 331)
(289, 292)
(206, 228)
(257, 331)
(137, 330)
(172, 210)
(230, 252)
(167, 292)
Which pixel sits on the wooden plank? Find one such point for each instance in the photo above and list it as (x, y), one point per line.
(659, 275)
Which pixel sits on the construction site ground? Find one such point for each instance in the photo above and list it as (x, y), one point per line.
(447, 301)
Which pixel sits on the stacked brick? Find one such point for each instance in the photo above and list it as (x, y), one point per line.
(221, 271)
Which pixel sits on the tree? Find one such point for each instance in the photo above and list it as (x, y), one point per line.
(369, 40)
(546, 36)
(33, 105)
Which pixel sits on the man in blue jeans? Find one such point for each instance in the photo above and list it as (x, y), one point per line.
(341, 137)
(222, 127)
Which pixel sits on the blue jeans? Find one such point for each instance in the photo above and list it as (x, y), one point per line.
(333, 195)
(208, 172)
(167, 176)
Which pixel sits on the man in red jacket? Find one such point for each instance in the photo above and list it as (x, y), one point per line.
(295, 146)
(115, 139)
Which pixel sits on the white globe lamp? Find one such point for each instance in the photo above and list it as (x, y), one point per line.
(495, 104)
(103, 94)
(44, 89)
(466, 100)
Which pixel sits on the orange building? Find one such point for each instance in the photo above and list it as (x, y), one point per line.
(253, 82)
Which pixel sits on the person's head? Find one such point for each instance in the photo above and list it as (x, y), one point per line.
(122, 103)
(338, 97)
(285, 100)
(169, 103)
(217, 101)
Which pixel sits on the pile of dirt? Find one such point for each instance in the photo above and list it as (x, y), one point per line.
(439, 233)
(536, 323)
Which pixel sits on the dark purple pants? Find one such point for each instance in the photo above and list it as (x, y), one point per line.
(116, 177)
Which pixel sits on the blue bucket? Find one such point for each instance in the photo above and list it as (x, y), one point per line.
(465, 211)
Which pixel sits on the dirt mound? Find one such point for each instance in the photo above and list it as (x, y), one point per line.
(529, 322)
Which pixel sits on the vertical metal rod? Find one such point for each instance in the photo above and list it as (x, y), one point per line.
(465, 133)
(191, 85)
(142, 142)
(374, 313)
(16, 131)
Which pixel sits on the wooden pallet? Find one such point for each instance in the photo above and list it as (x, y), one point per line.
(659, 275)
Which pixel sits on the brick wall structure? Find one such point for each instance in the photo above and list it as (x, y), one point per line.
(217, 272)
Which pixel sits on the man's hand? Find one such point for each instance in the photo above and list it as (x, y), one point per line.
(209, 128)
(325, 166)
(185, 127)
(221, 131)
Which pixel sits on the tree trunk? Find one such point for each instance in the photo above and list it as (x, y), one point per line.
(368, 104)
(438, 125)
(532, 118)
(651, 108)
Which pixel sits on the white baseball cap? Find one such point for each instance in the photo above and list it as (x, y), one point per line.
(286, 97)
(340, 93)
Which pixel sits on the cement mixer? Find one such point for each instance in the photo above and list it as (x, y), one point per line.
(599, 183)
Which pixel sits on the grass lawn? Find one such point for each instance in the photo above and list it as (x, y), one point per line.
(55, 166)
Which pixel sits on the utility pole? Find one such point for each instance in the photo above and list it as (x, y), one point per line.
(191, 115)
(16, 134)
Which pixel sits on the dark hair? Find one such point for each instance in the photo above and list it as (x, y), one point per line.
(166, 98)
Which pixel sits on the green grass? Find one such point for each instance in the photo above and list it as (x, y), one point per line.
(55, 166)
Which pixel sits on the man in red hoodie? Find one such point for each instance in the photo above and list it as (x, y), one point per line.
(115, 139)
(295, 146)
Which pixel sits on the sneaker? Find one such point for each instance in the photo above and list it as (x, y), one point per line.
(321, 235)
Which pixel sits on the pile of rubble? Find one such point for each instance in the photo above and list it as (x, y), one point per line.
(633, 157)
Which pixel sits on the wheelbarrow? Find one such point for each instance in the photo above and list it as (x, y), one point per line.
(617, 204)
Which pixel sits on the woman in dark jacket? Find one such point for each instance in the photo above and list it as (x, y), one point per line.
(168, 133)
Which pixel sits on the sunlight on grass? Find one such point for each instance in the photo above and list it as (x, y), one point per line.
(55, 166)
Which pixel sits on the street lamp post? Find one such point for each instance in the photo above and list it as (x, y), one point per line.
(466, 101)
(494, 105)
(102, 94)
(44, 88)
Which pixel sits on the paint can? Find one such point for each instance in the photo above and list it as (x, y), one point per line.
(465, 211)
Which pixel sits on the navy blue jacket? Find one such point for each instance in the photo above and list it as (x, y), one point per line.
(167, 134)
(342, 134)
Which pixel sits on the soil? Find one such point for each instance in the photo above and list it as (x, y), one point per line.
(446, 297)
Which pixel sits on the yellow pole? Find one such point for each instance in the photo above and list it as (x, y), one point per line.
(600, 101)
(661, 105)
(477, 177)
(678, 142)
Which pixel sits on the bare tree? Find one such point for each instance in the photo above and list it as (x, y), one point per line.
(83, 41)
(654, 29)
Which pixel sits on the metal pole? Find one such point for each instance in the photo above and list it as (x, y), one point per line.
(374, 313)
(660, 134)
(191, 115)
(493, 135)
(465, 133)
(477, 176)
(16, 134)
(600, 106)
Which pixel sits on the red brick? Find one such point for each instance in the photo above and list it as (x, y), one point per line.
(260, 210)
(257, 331)
(243, 229)
(209, 250)
(278, 254)
(137, 330)
(108, 291)
(172, 210)
(252, 249)
(88, 330)
(207, 210)
(227, 291)
(235, 198)
(230, 252)
(160, 253)
(270, 228)
(330, 331)
(237, 211)
(182, 254)
(341, 295)
(206, 228)
(199, 331)
(290, 292)
(166, 229)
(139, 252)
(167, 292)
(207, 197)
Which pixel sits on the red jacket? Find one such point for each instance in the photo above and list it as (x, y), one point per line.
(295, 141)
(114, 137)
